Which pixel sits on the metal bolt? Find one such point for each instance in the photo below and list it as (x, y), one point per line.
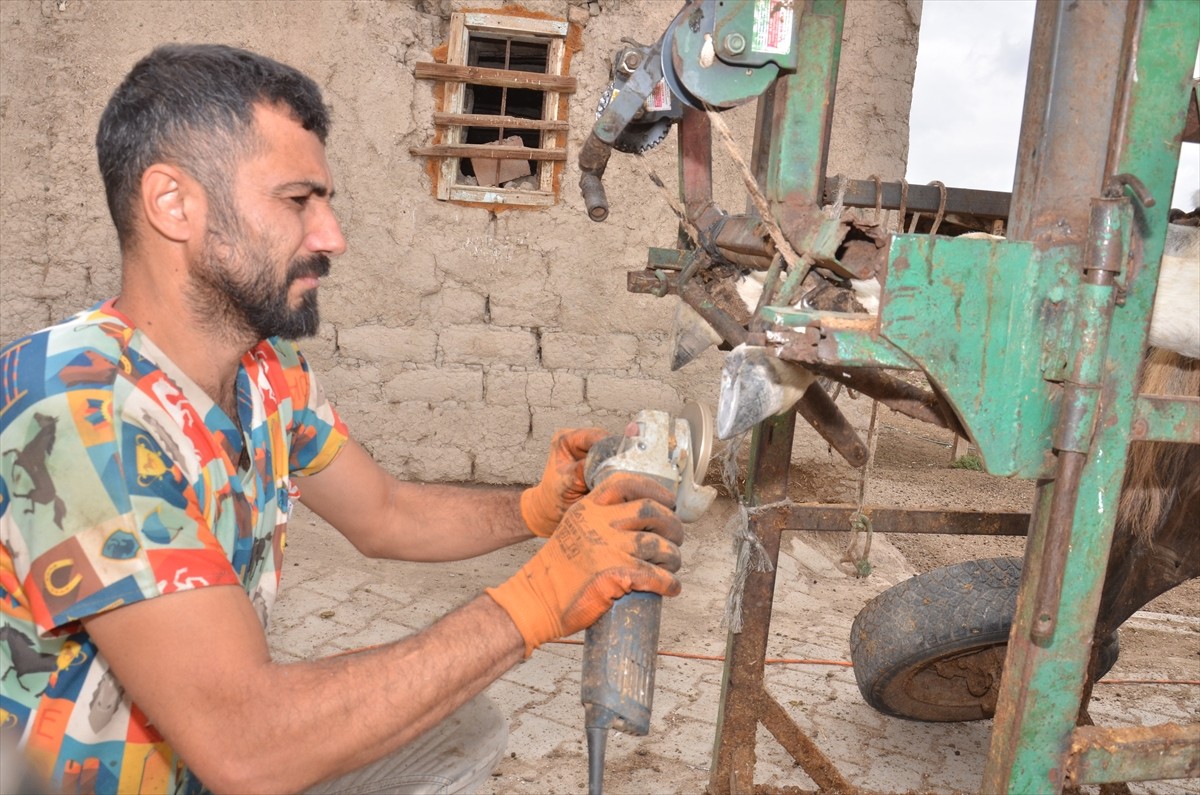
(630, 61)
(734, 43)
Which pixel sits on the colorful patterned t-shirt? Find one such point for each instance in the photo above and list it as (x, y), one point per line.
(121, 480)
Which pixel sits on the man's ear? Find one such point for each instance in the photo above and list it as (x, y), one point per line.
(172, 202)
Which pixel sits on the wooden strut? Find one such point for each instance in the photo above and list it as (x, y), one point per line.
(488, 120)
(501, 78)
(490, 151)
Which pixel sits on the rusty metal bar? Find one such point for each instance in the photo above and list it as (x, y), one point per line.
(696, 296)
(802, 749)
(742, 235)
(829, 516)
(1048, 596)
(988, 204)
(1137, 753)
(695, 169)
(896, 394)
(819, 410)
(746, 651)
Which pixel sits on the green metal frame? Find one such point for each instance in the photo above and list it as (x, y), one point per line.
(1036, 343)
(1044, 678)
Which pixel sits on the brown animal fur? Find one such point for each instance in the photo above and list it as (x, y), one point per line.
(1157, 470)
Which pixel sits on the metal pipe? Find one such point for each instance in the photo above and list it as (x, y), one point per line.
(1070, 95)
(1058, 543)
(988, 204)
(827, 419)
(594, 198)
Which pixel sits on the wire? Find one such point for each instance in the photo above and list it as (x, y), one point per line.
(1149, 682)
(845, 664)
(806, 661)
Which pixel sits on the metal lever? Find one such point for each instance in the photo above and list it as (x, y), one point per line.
(593, 157)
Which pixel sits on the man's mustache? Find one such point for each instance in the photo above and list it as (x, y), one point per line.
(317, 266)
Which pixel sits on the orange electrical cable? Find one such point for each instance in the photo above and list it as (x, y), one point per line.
(844, 664)
(1148, 682)
(721, 658)
(802, 661)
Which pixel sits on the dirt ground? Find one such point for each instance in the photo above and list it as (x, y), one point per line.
(333, 601)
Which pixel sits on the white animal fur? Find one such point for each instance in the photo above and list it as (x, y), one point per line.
(1175, 324)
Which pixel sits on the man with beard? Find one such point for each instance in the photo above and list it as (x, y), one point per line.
(153, 447)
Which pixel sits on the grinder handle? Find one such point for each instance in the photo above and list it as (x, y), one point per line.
(620, 652)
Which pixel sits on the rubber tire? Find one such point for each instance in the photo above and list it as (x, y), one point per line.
(932, 648)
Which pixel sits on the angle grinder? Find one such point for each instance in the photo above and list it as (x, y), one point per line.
(621, 649)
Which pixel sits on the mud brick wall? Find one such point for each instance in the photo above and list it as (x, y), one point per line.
(454, 339)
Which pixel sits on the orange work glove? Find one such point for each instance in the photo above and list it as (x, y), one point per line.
(543, 505)
(621, 537)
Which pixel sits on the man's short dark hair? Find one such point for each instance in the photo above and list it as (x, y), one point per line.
(192, 105)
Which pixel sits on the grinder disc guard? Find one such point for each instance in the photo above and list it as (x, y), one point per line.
(670, 450)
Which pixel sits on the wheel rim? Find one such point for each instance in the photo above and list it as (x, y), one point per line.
(962, 685)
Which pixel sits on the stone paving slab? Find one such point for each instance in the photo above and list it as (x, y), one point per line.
(333, 600)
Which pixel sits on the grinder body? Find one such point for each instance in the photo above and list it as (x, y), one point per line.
(621, 649)
(619, 653)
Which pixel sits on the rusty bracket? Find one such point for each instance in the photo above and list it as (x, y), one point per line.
(834, 338)
(1135, 753)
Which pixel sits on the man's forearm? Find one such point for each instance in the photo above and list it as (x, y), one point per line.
(389, 518)
(330, 716)
(438, 522)
(395, 692)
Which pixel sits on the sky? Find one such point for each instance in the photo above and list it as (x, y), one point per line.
(967, 98)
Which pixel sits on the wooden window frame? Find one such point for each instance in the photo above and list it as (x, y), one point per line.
(455, 74)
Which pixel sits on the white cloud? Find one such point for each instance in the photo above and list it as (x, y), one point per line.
(969, 92)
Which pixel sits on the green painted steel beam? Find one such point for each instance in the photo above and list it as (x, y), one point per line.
(1043, 680)
(804, 110)
(985, 320)
(670, 258)
(1166, 419)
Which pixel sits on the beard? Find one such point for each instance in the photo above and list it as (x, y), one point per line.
(234, 286)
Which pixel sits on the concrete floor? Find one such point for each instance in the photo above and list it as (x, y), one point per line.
(333, 600)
